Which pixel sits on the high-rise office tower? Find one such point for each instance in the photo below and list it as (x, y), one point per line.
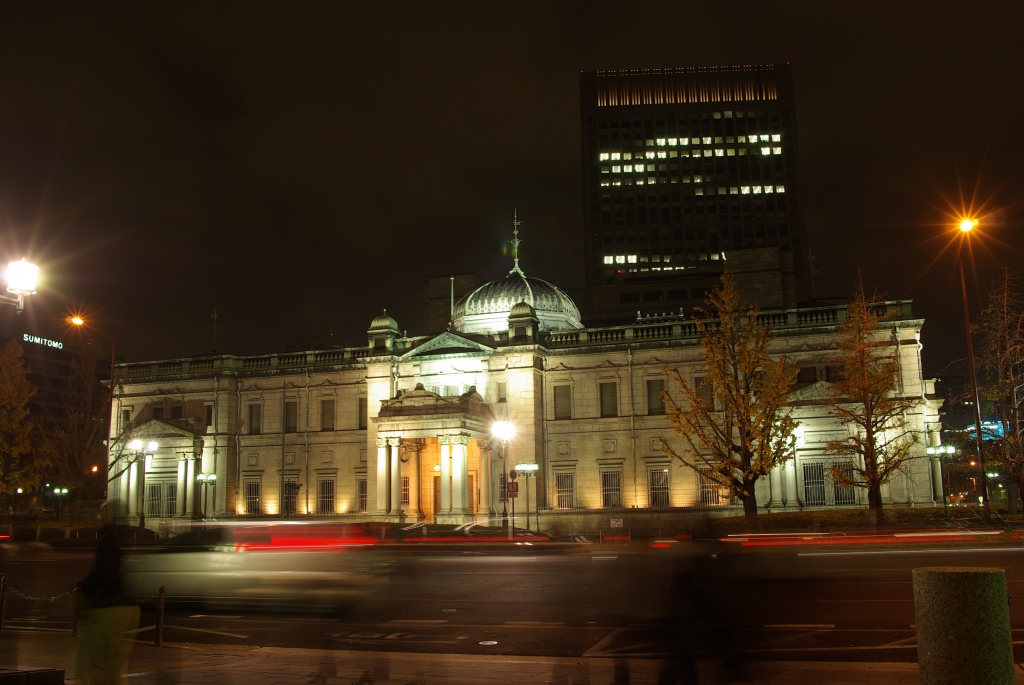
(683, 168)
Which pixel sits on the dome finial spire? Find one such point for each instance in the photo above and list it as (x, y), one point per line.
(515, 242)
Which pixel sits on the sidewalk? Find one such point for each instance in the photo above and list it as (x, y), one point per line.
(181, 664)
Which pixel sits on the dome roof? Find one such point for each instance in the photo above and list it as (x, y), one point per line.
(486, 309)
(522, 310)
(384, 323)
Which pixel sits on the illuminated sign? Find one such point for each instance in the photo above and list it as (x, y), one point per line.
(43, 341)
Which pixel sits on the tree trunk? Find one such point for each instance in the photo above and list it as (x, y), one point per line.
(749, 501)
(875, 504)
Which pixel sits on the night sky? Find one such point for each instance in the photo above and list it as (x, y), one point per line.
(300, 166)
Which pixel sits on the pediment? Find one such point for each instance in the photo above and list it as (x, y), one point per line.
(155, 429)
(447, 343)
(817, 391)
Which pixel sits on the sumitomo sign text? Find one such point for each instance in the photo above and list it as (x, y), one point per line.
(43, 341)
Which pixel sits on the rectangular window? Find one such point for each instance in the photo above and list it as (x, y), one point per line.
(291, 417)
(255, 419)
(710, 491)
(657, 487)
(362, 413)
(158, 413)
(209, 415)
(251, 488)
(361, 495)
(814, 484)
(704, 391)
(502, 486)
(325, 497)
(609, 400)
(844, 494)
(291, 496)
(170, 499)
(154, 495)
(176, 412)
(502, 392)
(611, 489)
(126, 418)
(563, 402)
(405, 489)
(655, 402)
(565, 489)
(807, 374)
(326, 415)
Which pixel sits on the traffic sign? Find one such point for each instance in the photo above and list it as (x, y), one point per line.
(513, 489)
(513, 474)
(527, 468)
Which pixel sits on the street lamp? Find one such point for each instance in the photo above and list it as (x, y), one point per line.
(22, 279)
(77, 320)
(206, 480)
(504, 432)
(967, 225)
(59, 493)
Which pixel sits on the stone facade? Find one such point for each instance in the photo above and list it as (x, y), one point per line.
(399, 429)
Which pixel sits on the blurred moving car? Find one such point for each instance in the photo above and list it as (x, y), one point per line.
(270, 565)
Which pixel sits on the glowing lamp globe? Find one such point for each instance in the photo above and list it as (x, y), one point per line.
(503, 430)
(135, 445)
(22, 278)
(967, 225)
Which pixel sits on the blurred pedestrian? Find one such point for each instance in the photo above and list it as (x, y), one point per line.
(104, 616)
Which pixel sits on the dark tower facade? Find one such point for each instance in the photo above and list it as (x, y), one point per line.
(682, 168)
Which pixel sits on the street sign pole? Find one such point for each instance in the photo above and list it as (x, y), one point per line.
(512, 492)
(528, 469)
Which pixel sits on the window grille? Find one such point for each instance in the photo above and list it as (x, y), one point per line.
(657, 487)
(325, 497)
(502, 392)
(655, 403)
(154, 495)
(611, 489)
(563, 402)
(171, 499)
(361, 495)
(362, 413)
(291, 496)
(405, 489)
(609, 400)
(710, 491)
(844, 494)
(252, 497)
(565, 488)
(814, 484)
(502, 487)
(209, 415)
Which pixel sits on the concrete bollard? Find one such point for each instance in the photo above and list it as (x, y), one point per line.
(963, 626)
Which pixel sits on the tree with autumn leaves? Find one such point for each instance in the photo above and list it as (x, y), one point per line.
(867, 399)
(736, 425)
(20, 467)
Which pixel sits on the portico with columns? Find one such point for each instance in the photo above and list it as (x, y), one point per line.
(434, 461)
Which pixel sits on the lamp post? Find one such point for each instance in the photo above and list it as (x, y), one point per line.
(528, 470)
(206, 480)
(940, 450)
(22, 279)
(504, 432)
(59, 493)
(79, 321)
(966, 227)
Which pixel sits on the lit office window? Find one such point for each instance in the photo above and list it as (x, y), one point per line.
(620, 259)
(673, 141)
(734, 190)
(662, 155)
(707, 140)
(661, 142)
(757, 190)
(650, 155)
(608, 259)
(752, 139)
(628, 168)
(731, 152)
(766, 151)
(631, 259)
(776, 150)
(616, 155)
(764, 138)
(616, 169)
(640, 167)
(780, 189)
(745, 190)
(776, 138)
(719, 152)
(603, 156)
(768, 189)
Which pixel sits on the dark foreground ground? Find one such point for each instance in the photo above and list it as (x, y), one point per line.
(584, 601)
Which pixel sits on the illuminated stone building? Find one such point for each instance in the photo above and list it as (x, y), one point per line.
(399, 429)
(681, 166)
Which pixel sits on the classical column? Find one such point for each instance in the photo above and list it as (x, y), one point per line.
(179, 503)
(936, 480)
(415, 505)
(446, 473)
(485, 477)
(460, 475)
(382, 475)
(394, 446)
(788, 483)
